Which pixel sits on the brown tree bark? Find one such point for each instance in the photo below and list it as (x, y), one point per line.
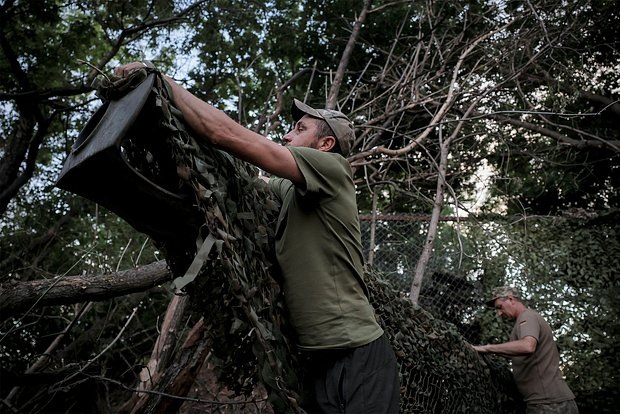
(161, 354)
(17, 297)
(178, 378)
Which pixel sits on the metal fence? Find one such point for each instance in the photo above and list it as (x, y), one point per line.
(393, 245)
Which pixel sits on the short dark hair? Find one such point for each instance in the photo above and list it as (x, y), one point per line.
(323, 130)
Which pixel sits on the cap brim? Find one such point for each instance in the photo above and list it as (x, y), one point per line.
(491, 302)
(299, 109)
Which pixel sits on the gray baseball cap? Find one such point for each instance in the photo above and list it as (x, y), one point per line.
(503, 292)
(337, 121)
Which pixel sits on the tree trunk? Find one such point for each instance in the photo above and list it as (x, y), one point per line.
(346, 55)
(179, 377)
(161, 354)
(429, 243)
(373, 229)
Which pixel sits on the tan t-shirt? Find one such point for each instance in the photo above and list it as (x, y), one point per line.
(318, 249)
(538, 376)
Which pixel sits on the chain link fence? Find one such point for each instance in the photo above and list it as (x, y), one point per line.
(392, 246)
(440, 373)
(566, 267)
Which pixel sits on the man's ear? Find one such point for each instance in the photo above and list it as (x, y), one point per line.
(327, 143)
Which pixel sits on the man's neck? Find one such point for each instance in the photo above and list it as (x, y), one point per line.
(520, 308)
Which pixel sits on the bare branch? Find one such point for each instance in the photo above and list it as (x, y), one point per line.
(16, 297)
(346, 56)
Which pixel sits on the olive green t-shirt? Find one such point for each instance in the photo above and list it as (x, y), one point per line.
(318, 247)
(538, 376)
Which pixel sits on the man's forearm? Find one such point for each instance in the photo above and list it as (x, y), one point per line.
(214, 126)
(208, 122)
(521, 347)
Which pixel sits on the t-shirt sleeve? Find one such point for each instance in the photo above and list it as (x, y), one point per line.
(279, 187)
(323, 172)
(528, 326)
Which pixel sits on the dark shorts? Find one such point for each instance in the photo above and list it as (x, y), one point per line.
(354, 381)
(564, 407)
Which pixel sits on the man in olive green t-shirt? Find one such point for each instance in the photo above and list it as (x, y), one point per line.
(351, 364)
(534, 354)
(318, 247)
(318, 250)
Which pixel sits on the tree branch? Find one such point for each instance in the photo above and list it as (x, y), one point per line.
(346, 56)
(18, 297)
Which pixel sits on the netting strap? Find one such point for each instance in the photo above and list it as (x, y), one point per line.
(194, 268)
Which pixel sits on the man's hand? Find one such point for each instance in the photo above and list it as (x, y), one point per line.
(124, 70)
(480, 348)
(215, 127)
(521, 347)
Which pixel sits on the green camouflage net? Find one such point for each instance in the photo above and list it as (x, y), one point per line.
(238, 293)
(440, 372)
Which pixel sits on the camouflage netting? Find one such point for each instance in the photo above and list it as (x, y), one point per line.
(440, 372)
(237, 289)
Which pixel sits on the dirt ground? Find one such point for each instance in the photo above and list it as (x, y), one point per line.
(222, 401)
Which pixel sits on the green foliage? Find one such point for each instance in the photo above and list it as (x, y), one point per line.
(567, 268)
(572, 278)
(247, 50)
(237, 53)
(568, 279)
